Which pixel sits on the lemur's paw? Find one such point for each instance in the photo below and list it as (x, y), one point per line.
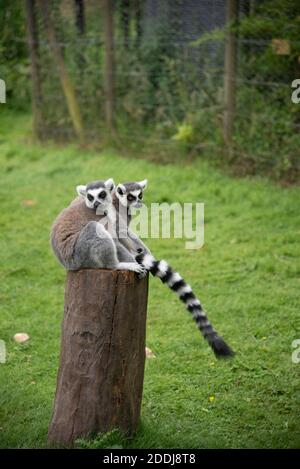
(142, 274)
(140, 270)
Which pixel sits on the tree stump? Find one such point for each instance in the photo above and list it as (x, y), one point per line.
(102, 359)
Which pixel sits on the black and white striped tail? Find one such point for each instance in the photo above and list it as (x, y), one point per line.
(174, 281)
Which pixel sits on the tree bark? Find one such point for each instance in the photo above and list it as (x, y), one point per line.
(36, 87)
(80, 27)
(138, 23)
(100, 378)
(66, 82)
(230, 71)
(80, 16)
(109, 63)
(125, 21)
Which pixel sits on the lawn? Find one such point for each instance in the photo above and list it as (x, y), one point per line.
(247, 276)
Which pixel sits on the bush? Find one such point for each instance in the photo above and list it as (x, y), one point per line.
(14, 66)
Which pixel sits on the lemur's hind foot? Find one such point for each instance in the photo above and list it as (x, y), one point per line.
(176, 283)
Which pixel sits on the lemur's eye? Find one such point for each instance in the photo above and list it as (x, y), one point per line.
(90, 197)
(102, 195)
(130, 197)
(140, 195)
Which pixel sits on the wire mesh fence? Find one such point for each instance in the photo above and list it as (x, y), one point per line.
(160, 71)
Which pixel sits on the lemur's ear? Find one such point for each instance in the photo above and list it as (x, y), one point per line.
(143, 183)
(109, 184)
(121, 189)
(81, 190)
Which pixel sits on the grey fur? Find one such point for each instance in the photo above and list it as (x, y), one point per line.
(125, 235)
(94, 185)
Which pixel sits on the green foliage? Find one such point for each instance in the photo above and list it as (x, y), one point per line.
(247, 276)
(169, 91)
(14, 65)
(273, 20)
(265, 137)
(266, 128)
(217, 34)
(185, 133)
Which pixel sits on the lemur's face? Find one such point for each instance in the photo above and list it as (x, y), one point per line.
(130, 194)
(97, 195)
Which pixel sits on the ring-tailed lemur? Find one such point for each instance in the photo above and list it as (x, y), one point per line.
(127, 196)
(78, 238)
(130, 195)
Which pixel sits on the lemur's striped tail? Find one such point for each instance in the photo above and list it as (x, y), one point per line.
(174, 281)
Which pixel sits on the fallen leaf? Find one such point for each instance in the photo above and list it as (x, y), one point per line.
(281, 46)
(149, 353)
(28, 203)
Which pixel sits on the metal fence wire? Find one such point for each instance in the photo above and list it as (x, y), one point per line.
(153, 74)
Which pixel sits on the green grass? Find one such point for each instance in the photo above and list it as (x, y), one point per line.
(247, 276)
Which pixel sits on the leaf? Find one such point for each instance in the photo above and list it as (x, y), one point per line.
(149, 353)
(281, 46)
(184, 133)
(216, 34)
(28, 203)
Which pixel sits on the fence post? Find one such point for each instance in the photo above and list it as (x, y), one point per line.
(230, 71)
(109, 63)
(66, 83)
(101, 372)
(32, 38)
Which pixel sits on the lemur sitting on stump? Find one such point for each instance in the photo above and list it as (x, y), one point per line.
(79, 239)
